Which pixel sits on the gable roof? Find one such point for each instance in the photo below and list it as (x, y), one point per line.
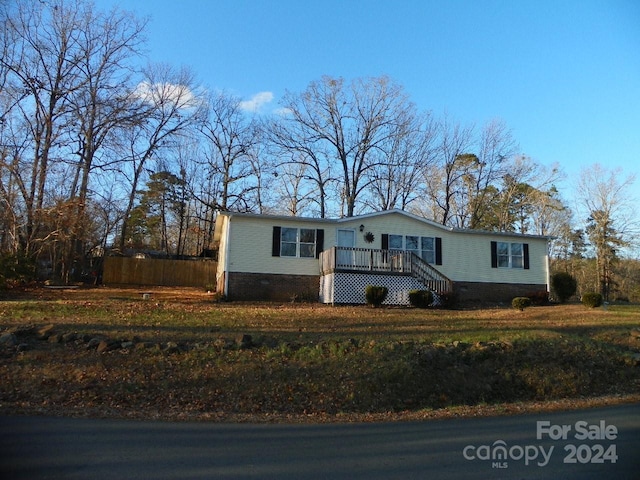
(394, 211)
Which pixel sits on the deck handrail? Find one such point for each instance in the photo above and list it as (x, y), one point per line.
(363, 260)
(429, 276)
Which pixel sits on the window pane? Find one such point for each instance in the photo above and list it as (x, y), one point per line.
(289, 234)
(287, 249)
(412, 242)
(307, 250)
(307, 235)
(428, 256)
(503, 261)
(503, 254)
(516, 256)
(428, 249)
(395, 242)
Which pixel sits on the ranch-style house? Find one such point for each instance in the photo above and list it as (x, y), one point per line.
(280, 258)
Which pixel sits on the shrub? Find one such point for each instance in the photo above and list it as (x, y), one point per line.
(420, 298)
(592, 299)
(520, 303)
(564, 286)
(375, 294)
(15, 268)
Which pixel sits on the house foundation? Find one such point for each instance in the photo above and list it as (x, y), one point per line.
(479, 293)
(272, 287)
(349, 288)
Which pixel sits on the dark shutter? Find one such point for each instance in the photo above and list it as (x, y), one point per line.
(525, 254)
(385, 241)
(275, 242)
(438, 251)
(494, 254)
(319, 242)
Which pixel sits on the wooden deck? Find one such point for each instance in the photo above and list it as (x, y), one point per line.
(392, 262)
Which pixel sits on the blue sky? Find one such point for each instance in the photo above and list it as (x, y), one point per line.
(563, 75)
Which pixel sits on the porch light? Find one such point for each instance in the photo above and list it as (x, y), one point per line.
(362, 228)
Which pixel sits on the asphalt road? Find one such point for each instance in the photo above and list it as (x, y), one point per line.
(602, 443)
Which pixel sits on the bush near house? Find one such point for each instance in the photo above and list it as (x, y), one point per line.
(520, 303)
(420, 298)
(592, 300)
(375, 295)
(564, 286)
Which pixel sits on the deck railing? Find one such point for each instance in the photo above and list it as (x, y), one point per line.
(363, 260)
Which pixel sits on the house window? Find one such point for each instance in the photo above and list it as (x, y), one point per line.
(509, 255)
(298, 242)
(425, 247)
(307, 244)
(289, 242)
(412, 243)
(428, 249)
(396, 242)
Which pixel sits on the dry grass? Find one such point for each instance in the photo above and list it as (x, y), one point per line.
(308, 360)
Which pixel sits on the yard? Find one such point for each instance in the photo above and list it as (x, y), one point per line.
(172, 353)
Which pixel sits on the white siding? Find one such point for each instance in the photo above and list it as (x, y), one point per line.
(394, 223)
(251, 240)
(466, 256)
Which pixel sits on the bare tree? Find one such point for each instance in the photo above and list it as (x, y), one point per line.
(294, 144)
(65, 67)
(394, 181)
(103, 106)
(232, 139)
(292, 195)
(496, 147)
(171, 106)
(605, 196)
(525, 194)
(443, 179)
(41, 74)
(343, 127)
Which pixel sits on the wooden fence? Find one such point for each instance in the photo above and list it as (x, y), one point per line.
(171, 273)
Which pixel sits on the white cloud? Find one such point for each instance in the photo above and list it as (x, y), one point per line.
(162, 93)
(282, 112)
(256, 102)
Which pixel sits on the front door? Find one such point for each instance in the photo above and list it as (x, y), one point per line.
(346, 238)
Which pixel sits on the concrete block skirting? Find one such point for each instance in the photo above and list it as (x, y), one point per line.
(348, 288)
(478, 293)
(272, 287)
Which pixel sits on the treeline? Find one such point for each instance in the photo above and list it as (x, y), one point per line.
(97, 153)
